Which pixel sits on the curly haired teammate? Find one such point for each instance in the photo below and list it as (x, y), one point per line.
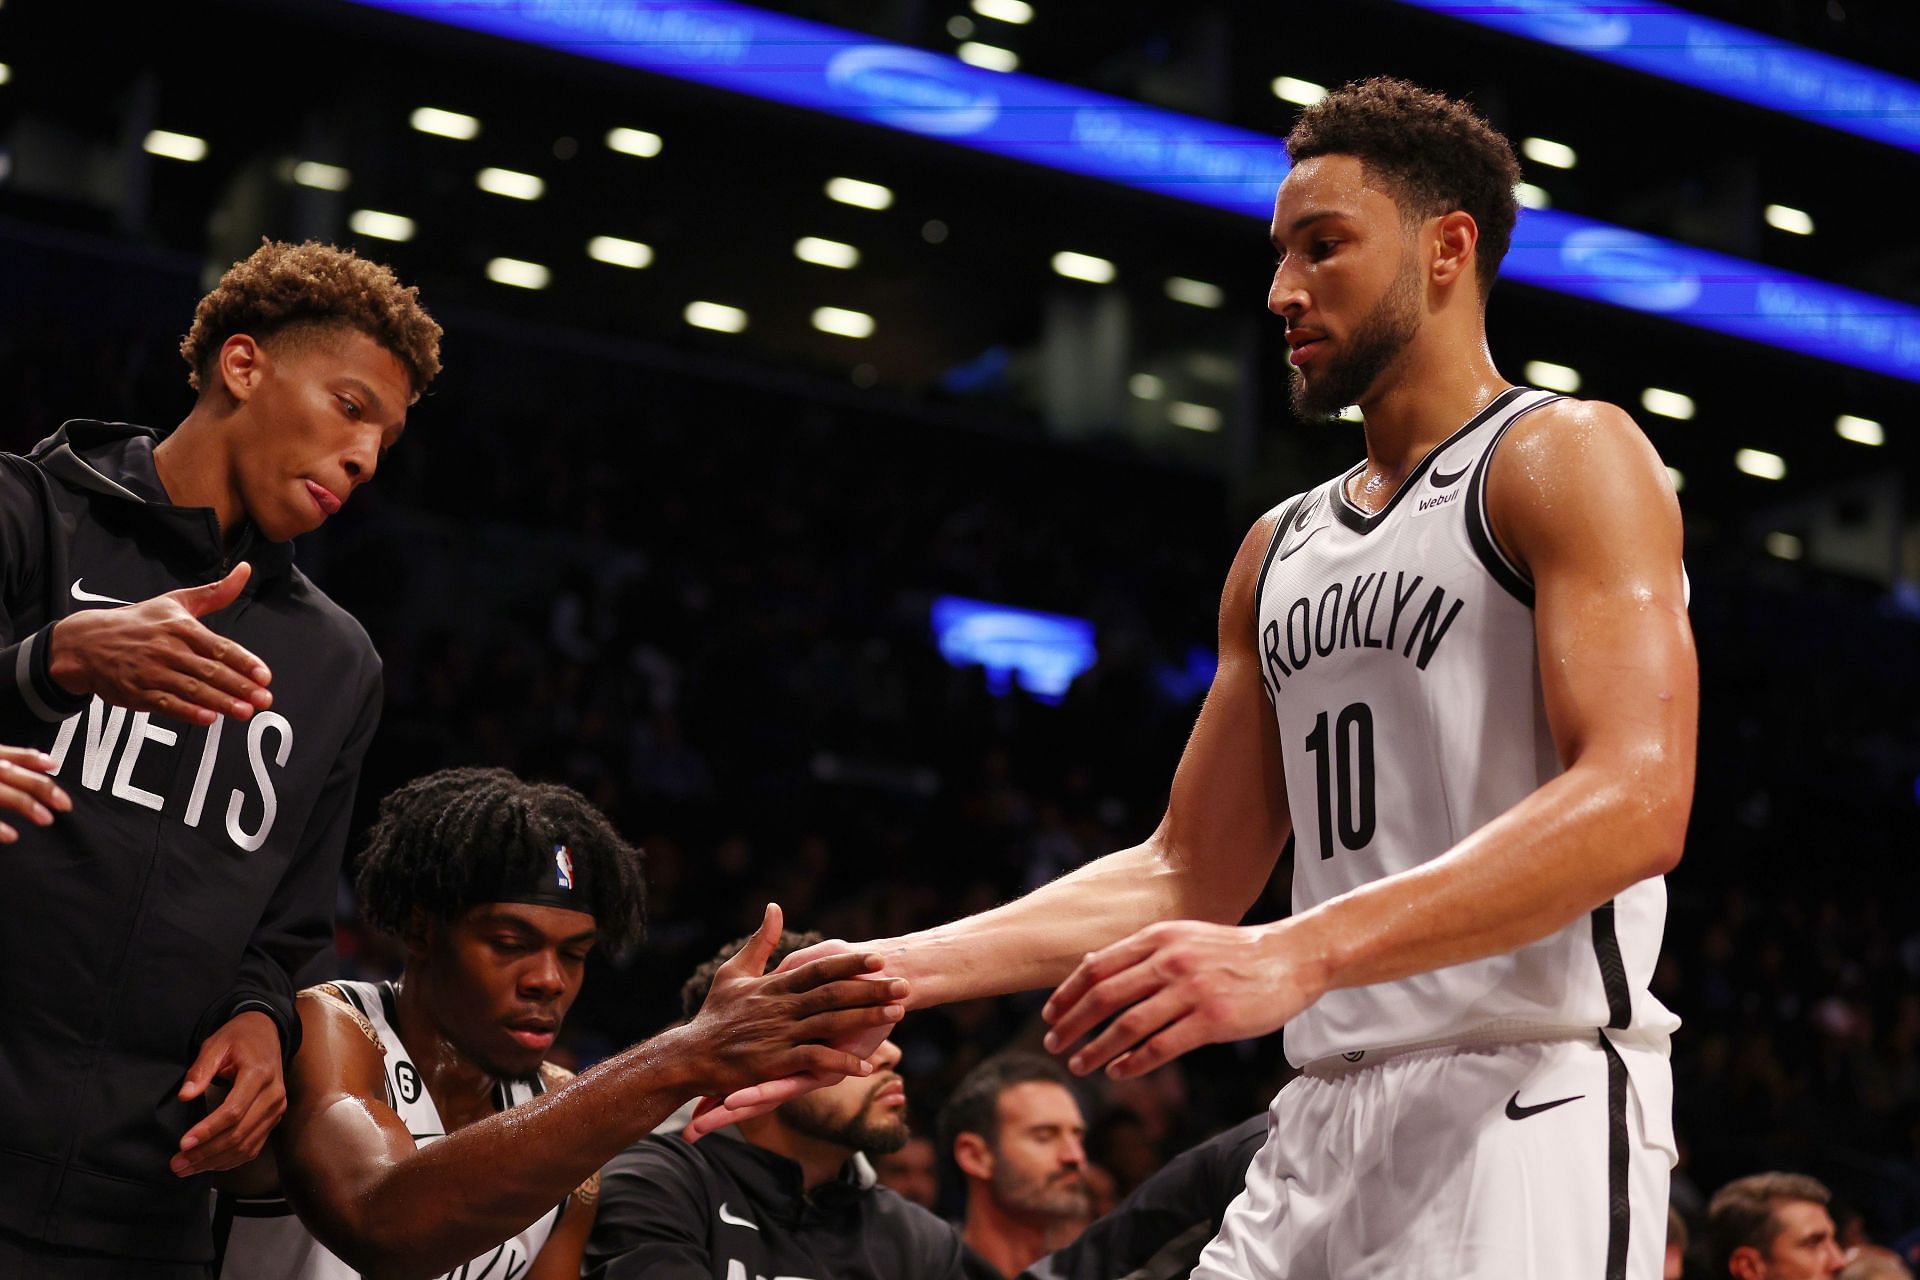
(1461, 676)
(398, 1152)
(206, 709)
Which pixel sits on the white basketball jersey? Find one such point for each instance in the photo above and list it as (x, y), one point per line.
(258, 1239)
(1398, 651)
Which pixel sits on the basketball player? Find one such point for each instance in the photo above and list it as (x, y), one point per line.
(206, 709)
(424, 1130)
(1460, 674)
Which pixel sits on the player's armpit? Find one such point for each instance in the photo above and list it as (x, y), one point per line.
(1580, 499)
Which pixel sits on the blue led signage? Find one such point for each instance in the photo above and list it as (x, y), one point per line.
(1043, 652)
(845, 73)
(1723, 59)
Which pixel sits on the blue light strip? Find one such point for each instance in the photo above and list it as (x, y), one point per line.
(731, 46)
(1723, 59)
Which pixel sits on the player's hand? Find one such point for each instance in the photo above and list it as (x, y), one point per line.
(246, 1053)
(1176, 986)
(794, 1024)
(26, 789)
(157, 656)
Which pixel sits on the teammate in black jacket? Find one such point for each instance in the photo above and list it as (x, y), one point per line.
(207, 709)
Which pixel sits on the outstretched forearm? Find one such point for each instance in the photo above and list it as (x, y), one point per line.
(1036, 941)
(437, 1206)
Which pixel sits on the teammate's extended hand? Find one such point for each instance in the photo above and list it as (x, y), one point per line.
(797, 1028)
(26, 789)
(246, 1052)
(1181, 984)
(157, 656)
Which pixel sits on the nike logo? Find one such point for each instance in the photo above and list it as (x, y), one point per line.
(733, 1221)
(1303, 542)
(89, 597)
(1446, 479)
(1517, 1112)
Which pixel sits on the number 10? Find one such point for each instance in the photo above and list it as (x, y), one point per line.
(1352, 752)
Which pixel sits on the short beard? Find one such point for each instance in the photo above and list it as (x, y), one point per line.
(1061, 1196)
(862, 1132)
(1376, 343)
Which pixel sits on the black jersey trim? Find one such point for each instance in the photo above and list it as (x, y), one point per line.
(1619, 1197)
(1266, 564)
(390, 1006)
(346, 989)
(1362, 522)
(1613, 970)
(1480, 528)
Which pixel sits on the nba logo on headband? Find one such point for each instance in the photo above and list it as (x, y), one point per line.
(562, 866)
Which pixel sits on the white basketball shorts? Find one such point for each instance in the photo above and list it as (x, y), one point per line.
(1535, 1160)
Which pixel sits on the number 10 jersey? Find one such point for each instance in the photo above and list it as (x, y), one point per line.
(1398, 651)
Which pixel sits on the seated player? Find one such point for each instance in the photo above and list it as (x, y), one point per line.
(397, 1152)
(1014, 1129)
(788, 1193)
(1772, 1226)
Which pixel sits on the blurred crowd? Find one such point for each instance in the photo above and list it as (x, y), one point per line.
(702, 600)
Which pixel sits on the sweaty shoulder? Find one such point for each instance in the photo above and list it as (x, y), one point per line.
(328, 1007)
(1572, 472)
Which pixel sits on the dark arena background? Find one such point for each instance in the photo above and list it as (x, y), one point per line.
(775, 335)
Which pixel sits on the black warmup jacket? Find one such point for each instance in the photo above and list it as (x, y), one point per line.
(197, 870)
(673, 1211)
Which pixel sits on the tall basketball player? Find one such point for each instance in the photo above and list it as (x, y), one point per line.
(1461, 675)
(424, 1129)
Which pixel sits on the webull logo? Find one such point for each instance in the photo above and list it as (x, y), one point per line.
(1630, 269)
(914, 90)
(1571, 25)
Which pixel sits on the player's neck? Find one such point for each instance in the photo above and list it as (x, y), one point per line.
(820, 1161)
(196, 469)
(462, 1090)
(1434, 389)
(1011, 1242)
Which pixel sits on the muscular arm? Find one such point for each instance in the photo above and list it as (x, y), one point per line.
(1578, 496)
(1225, 824)
(391, 1209)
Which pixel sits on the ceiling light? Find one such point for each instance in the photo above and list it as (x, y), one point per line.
(323, 177)
(633, 142)
(847, 324)
(1084, 266)
(1859, 430)
(175, 146)
(1668, 404)
(1783, 545)
(518, 273)
(826, 253)
(1793, 221)
(716, 316)
(510, 183)
(6, 73)
(1018, 12)
(1145, 386)
(380, 226)
(1554, 377)
(1528, 196)
(1555, 155)
(865, 195)
(1760, 463)
(1679, 480)
(1194, 417)
(445, 124)
(616, 252)
(1196, 293)
(988, 57)
(1301, 93)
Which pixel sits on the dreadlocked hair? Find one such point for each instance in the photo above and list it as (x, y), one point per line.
(459, 837)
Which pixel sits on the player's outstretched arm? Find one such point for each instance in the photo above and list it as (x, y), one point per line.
(391, 1209)
(1578, 495)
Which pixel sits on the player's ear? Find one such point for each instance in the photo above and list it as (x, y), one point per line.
(418, 934)
(1450, 240)
(240, 366)
(1746, 1264)
(973, 1155)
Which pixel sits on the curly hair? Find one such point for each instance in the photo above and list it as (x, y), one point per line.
(460, 837)
(282, 286)
(693, 992)
(1436, 153)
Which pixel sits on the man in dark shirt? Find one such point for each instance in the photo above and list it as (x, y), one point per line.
(790, 1193)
